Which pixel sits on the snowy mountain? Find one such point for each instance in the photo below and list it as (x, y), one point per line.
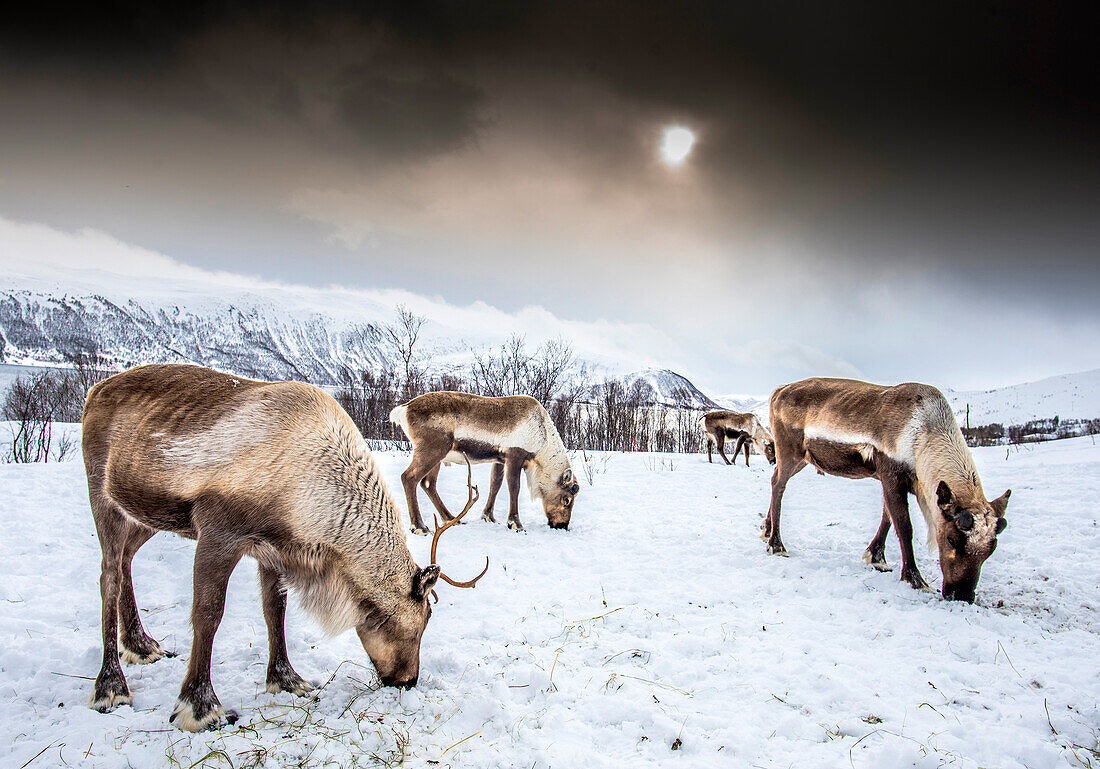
(1069, 396)
(247, 334)
(667, 388)
(271, 334)
(756, 404)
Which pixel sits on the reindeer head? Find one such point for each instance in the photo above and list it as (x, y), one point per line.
(967, 536)
(392, 640)
(769, 451)
(557, 501)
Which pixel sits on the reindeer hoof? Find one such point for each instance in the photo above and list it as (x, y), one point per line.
(488, 517)
(184, 718)
(515, 525)
(915, 580)
(297, 686)
(111, 700)
(778, 550)
(420, 531)
(148, 657)
(878, 562)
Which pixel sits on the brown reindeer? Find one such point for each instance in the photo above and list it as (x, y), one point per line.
(277, 471)
(906, 437)
(514, 433)
(720, 426)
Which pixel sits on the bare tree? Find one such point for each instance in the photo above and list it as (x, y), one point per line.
(402, 336)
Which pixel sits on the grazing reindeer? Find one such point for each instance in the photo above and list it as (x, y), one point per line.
(277, 471)
(906, 437)
(514, 433)
(718, 426)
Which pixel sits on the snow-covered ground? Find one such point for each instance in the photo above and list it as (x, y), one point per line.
(655, 632)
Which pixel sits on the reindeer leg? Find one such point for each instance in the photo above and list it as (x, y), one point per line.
(428, 483)
(784, 471)
(281, 676)
(897, 505)
(710, 447)
(138, 648)
(512, 468)
(423, 461)
(495, 480)
(198, 707)
(875, 555)
(742, 441)
(110, 685)
(720, 440)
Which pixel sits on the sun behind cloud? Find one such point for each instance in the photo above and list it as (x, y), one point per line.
(676, 144)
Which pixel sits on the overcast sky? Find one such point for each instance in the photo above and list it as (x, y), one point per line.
(897, 191)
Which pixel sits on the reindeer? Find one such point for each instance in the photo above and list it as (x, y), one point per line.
(718, 426)
(906, 437)
(277, 471)
(514, 433)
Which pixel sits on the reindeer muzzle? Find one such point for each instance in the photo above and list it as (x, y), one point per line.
(408, 683)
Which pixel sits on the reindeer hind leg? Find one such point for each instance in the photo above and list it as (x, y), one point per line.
(110, 689)
(875, 555)
(138, 647)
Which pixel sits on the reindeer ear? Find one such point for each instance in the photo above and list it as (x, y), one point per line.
(424, 580)
(1000, 503)
(944, 498)
(567, 476)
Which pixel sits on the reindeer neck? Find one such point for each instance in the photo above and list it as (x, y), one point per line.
(941, 454)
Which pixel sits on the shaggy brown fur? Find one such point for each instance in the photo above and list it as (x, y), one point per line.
(718, 426)
(906, 437)
(514, 433)
(277, 471)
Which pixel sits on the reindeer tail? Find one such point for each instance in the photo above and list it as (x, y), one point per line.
(398, 417)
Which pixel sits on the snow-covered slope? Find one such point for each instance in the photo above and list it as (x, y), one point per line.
(756, 404)
(244, 333)
(1069, 396)
(667, 388)
(656, 632)
(267, 333)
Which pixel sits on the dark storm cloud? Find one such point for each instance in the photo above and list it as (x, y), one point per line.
(850, 147)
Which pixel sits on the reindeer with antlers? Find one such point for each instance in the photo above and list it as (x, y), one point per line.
(277, 471)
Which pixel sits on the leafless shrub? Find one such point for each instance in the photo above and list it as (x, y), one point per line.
(32, 404)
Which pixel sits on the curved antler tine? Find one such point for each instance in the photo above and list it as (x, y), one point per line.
(473, 497)
(468, 583)
(473, 493)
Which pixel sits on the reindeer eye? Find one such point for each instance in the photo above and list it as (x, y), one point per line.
(954, 542)
(1001, 524)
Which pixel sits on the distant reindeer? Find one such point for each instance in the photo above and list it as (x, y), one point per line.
(720, 426)
(513, 432)
(906, 437)
(277, 471)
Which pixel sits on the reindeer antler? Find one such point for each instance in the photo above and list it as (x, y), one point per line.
(440, 529)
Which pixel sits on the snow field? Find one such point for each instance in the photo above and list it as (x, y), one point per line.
(656, 631)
